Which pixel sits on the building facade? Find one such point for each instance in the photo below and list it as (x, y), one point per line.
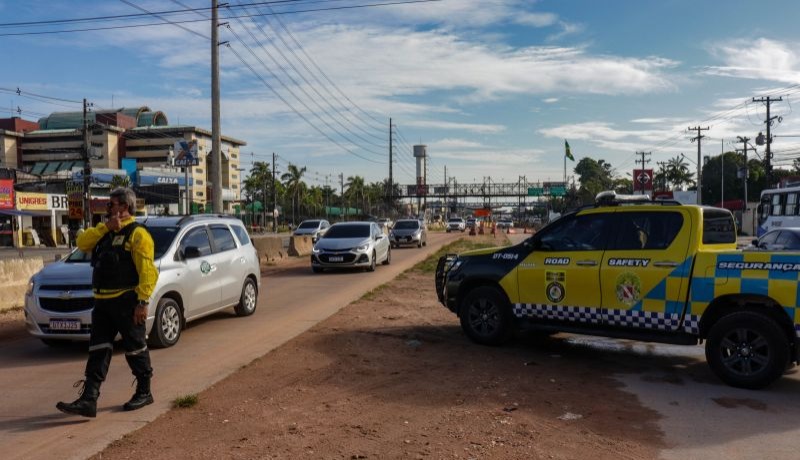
(47, 157)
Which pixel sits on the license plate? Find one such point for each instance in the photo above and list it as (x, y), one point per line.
(335, 258)
(65, 325)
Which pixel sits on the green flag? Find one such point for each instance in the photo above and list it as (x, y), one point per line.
(567, 152)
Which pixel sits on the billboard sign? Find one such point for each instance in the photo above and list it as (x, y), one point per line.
(643, 179)
(186, 153)
(6, 194)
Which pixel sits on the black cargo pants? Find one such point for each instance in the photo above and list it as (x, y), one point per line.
(109, 317)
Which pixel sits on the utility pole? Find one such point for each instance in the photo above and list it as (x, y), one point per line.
(274, 194)
(390, 193)
(745, 173)
(341, 184)
(722, 173)
(216, 137)
(699, 164)
(768, 122)
(87, 170)
(444, 200)
(643, 162)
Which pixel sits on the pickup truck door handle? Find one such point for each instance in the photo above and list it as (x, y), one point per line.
(665, 263)
(586, 262)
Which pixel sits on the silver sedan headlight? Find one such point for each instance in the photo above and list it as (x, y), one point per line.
(363, 247)
(315, 250)
(29, 289)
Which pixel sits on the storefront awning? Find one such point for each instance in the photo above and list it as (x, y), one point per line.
(16, 212)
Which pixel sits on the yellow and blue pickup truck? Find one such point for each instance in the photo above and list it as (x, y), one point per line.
(654, 271)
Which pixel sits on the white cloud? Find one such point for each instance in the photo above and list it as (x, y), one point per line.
(477, 128)
(536, 19)
(550, 100)
(761, 58)
(445, 144)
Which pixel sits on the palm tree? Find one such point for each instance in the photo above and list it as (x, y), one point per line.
(293, 178)
(120, 181)
(258, 186)
(678, 172)
(355, 189)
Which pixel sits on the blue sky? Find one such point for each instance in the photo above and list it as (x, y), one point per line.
(492, 87)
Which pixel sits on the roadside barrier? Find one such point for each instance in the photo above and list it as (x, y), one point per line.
(14, 276)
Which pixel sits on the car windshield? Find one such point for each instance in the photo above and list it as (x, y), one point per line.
(347, 231)
(406, 224)
(309, 224)
(78, 256)
(162, 238)
(455, 220)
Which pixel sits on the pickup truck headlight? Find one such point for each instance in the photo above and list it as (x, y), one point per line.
(455, 264)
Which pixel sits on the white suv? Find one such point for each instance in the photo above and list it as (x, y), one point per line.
(456, 224)
(206, 263)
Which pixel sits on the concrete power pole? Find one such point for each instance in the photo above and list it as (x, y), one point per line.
(390, 192)
(274, 194)
(341, 185)
(768, 122)
(87, 170)
(643, 162)
(744, 141)
(699, 163)
(216, 138)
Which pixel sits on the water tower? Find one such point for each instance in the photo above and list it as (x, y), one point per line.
(420, 153)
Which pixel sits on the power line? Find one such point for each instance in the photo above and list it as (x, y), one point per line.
(187, 21)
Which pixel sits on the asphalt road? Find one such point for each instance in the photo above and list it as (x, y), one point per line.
(700, 416)
(34, 377)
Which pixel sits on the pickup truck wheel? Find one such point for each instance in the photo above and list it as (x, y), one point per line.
(486, 316)
(747, 350)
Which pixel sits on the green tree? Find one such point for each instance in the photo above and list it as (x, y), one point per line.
(594, 176)
(678, 174)
(354, 193)
(258, 187)
(293, 180)
(719, 170)
(120, 181)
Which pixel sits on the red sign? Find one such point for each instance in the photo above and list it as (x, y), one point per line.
(642, 179)
(6, 194)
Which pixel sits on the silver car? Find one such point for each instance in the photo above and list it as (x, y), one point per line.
(313, 228)
(351, 244)
(408, 231)
(206, 264)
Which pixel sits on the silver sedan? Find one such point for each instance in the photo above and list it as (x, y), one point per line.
(351, 244)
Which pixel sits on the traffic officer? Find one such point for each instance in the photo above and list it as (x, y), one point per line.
(123, 280)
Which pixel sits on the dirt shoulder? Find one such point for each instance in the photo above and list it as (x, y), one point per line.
(393, 376)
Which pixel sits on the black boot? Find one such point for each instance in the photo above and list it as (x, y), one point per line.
(142, 397)
(86, 404)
